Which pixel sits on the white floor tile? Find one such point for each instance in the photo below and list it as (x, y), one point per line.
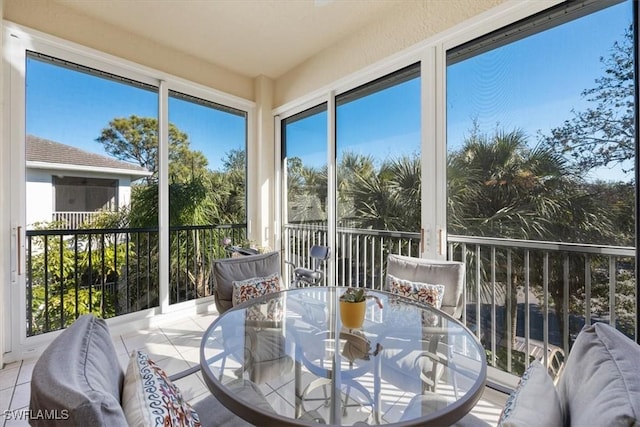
(205, 320)
(21, 396)
(192, 356)
(119, 345)
(191, 387)
(9, 376)
(25, 371)
(5, 400)
(18, 418)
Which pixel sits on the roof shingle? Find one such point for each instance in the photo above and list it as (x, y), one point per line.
(47, 151)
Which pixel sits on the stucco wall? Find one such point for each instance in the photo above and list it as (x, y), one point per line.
(409, 23)
(39, 197)
(57, 20)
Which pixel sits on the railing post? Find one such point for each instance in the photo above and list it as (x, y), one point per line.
(510, 325)
(527, 314)
(494, 332)
(545, 318)
(565, 308)
(612, 291)
(587, 289)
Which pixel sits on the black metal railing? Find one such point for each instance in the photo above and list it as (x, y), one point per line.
(110, 272)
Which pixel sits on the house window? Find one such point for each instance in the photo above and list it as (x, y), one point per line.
(79, 194)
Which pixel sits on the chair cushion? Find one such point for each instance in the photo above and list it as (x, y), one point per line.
(448, 273)
(425, 293)
(600, 384)
(534, 402)
(149, 398)
(228, 270)
(79, 373)
(244, 290)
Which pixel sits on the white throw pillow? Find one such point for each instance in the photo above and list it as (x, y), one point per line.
(534, 402)
(149, 398)
(425, 293)
(244, 290)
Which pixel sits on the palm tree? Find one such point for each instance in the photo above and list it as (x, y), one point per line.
(500, 187)
(388, 199)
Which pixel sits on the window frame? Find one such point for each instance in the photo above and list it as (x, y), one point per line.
(18, 41)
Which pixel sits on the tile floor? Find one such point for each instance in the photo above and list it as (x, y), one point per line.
(174, 346)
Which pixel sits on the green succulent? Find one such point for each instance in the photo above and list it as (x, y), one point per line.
(354, 295)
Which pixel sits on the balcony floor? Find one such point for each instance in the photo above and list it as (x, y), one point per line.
(174, 346)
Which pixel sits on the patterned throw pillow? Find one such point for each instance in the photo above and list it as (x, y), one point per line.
(534, 402)
(425, 293)
(149, 398)
(244, 290)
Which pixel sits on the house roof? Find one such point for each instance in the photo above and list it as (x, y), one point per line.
(43, 151)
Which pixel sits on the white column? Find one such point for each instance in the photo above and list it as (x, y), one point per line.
(261, 185)
(163, 196)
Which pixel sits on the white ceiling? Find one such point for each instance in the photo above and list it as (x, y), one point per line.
(250, 37)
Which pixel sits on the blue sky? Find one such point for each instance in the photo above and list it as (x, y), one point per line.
(534, 83)
(72, 108)
(531, 85)
(385, 124)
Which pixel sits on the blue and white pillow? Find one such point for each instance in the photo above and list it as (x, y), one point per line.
(535, 402)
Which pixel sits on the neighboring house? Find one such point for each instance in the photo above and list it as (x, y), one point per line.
(71, 185)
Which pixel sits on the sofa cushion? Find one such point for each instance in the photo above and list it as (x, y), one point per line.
(150, 399)
(534, 402)
(600, 384)
(79, 373)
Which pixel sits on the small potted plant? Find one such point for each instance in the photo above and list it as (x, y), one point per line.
(352, 307)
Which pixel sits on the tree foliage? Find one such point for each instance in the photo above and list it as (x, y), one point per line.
(500, 187)
(388, 199)
(603, 133)
(135, 139)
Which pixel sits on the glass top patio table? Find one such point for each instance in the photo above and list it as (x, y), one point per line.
(284, 359)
